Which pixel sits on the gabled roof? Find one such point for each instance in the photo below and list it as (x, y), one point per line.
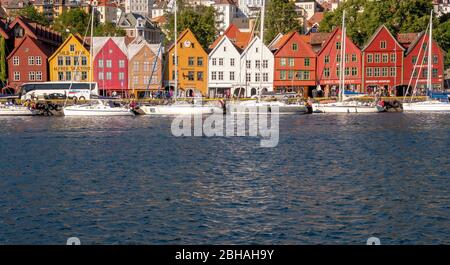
(405, 39)
(129, 20)
(44, 48)
(77, 38)
(239, 38)
(316, 19)
(275, 40)
(282, 41)
(380, 28)
(223, 39)
(331, 37)
(36, 30)
(418, 40)
(135, 48)
(100, 42)
(255, 39)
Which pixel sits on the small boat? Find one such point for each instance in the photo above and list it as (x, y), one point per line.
(283, 108)
(180, 108)
(427, 106)
(98, 108)
(16, 110)
(346, 107)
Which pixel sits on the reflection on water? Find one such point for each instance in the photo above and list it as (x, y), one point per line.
(333, 179)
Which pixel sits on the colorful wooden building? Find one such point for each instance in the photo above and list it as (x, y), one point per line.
(71, 61)
(110, 65)
(295, 64)
(192, 65)
(144, 67)
(383, 62)
(328, 64)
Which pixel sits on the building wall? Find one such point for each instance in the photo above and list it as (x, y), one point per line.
(25, 63)
(69, 50)
(140, 70)
(299, 76)
(328, 61)
(188, 46)
(375, 50)
(111, 68)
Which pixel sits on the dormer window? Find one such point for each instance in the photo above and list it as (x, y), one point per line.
(383, 45)
(294, 46)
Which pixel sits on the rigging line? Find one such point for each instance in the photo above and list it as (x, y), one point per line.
(154, 64)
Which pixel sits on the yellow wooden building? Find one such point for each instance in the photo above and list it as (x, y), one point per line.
(192, 65)
(71, 61)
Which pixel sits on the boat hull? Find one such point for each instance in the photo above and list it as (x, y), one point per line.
(17, 111)
(179, 110)
(240, 108)
(426, 107)
(97, 112)
(330, 108)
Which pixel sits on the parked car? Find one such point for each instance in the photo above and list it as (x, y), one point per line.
(56, 96)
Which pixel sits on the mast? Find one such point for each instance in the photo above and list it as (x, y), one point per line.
(91, 49)
(342, 62)
(261, 33)
(430, 55)
(176, 50)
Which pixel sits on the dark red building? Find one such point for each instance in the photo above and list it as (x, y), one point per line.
(382, 62)
(32, 44)
(295, 64)
(328, 64)
(416, 65)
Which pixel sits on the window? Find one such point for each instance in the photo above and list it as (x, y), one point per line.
(415, 73)
(173, 60)
(31, 76)
(382, 45)
(369, 58)
(265, 77)
(347, 58)
(377, 58)
(213, 75)
(354, 71)
(108, 76)
(393, 57)
(214, 61)
(338, 71)
(220, 75)
(294, 46)
(121, 76)
(326, 72)
(338, 58)
(435, 59)
(291, 62)
(307, 61)
(257, 64)
(200, 76)
(425, 59)
(232, 62)
(68, 60)
(16, 76)
(220, 61)
(265, 64)
(283, 61)
(68, 76)
(376, 71)
(306, 75)
(191, 76)
(60, 76)
(72, 47)
(100, 76)
(146, 66)
(327, 59)
(135, 66)
(347, 71)
(354, 58)
(231, 76)
(369, 72)
(16, 60)
(435, 73)
(257, 77)
(121, 63)
(290, 75)
(338, 45)
(135, 80)
(248, 77)
(108, 63)
(39, 76)
(83, 60)
(100, 63)
(60, 61)
(384, 71)
(425, 73)
(385, 58)
(200, 61)
(190, 61)
(76, 60)
(248, 64)
(414, 59)
(282, 75)
(257, 50)
(393, 72)
(30, 60)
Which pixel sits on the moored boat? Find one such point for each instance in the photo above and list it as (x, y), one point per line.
(16, 110)
(98, 108)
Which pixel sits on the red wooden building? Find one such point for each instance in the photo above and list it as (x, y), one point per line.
(295, 64)
(383, 62)
(32, 45)
(111, 65)
(328, 64)
(416, 65)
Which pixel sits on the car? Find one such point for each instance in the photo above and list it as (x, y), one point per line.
(56, 96)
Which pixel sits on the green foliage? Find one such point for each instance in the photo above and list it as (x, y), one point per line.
(280, 17)
(201, 20)
(31, 13)
(74, 20)
(2, 60)
(108, 29)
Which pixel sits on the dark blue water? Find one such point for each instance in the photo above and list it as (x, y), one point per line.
(331, 180)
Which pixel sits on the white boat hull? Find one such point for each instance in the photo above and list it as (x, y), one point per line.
(427, 106)
(239, 108)
(179, 110)
(74, 111)
(344, 108)
(16, 111)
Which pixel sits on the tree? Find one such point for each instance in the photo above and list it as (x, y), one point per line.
(73, 21)
(31, 13)
(201, 20)
(280, 17)
(2, 60)
(108, 29)
(442, 36)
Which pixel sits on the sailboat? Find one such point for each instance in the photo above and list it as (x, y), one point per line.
(16, 110)
(99, 107)
(345, 104)
(179, 107)
(430, 105)
(283, 107)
